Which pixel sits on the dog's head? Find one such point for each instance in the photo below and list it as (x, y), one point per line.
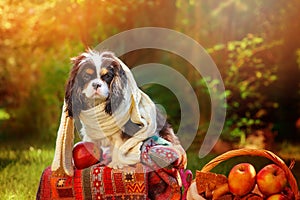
(96, 77)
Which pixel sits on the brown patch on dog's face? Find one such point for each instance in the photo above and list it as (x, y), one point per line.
(90, 71)
(104, 72)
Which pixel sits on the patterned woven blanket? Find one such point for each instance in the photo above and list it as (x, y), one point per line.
(97, 183)
(158, 176)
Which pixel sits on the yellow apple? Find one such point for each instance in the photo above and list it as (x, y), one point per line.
(278, 197)
(271, 179)
(241, 179)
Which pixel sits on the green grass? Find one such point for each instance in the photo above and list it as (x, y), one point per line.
(289, 151)
(20, 171)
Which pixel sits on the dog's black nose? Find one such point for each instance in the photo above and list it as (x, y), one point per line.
(96, 85)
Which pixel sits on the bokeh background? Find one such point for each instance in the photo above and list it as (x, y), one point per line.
(254, 43)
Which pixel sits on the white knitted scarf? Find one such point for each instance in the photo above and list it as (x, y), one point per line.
(136, 106)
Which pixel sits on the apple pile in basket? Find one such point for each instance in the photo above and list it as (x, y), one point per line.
(243, 182)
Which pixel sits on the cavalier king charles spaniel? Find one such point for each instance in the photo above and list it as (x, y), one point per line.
(99, 80)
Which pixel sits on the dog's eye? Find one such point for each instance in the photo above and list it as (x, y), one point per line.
(106, 76)
(86, 77)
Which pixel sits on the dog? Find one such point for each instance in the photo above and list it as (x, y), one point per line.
(101, 83)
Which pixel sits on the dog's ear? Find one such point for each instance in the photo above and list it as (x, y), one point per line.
(117, 87)
(73, 104)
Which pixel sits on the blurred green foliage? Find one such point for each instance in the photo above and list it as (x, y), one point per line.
(248, 74)
(254, 43)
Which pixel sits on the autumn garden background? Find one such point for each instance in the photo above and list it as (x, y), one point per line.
(254, 43)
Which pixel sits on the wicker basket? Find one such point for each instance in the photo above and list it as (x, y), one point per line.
(255, 152)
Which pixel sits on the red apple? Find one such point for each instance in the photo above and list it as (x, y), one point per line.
(241, 179)
(271, 179)
(278, 197)
(85, 154)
